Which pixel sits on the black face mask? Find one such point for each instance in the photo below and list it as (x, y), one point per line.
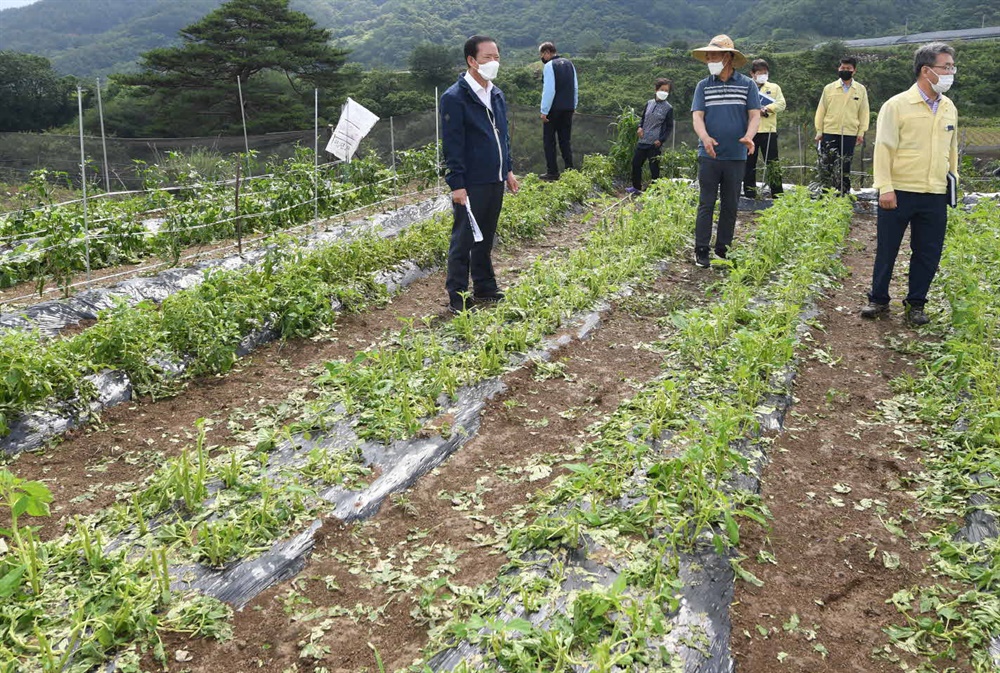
(845, 74)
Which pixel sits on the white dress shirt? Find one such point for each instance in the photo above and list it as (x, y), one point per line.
(482, 92)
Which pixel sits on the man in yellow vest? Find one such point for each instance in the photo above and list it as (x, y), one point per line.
(916, 147)
(842, 119)
(772, 101)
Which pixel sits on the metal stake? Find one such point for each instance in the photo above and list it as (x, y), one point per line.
(437, 139)
(316, 158)
(83, 181)
(104, 142)
(243, 116)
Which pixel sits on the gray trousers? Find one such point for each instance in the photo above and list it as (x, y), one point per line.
(722, 180)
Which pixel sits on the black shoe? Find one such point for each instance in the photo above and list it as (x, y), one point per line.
(915, 316)
(458, 304)
(548, 177)
(749, 194)
(701, 258)
(494, 298)
(874, 310)
(721, 252)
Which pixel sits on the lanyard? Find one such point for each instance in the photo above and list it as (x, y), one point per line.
(496, 134)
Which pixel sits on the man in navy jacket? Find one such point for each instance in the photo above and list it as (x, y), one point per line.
(476, 144)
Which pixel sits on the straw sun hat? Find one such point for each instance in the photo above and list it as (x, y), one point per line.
(720, 43)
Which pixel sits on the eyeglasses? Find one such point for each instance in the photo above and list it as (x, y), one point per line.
(947, 68)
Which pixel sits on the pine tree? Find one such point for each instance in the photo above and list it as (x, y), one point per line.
(279, 56)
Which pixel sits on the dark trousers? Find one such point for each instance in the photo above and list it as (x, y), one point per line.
(839, 149)
(927, 217)
(718, 179)
(559, 125)
(464, 254)
(642, 154)
(767, 151)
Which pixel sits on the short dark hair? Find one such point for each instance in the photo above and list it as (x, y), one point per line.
(849, 60)
(546, 48)
(663, 81)
(927, 55)
(759, 64)
(472, 45)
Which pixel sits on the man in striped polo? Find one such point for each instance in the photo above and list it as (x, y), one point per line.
(726, 114)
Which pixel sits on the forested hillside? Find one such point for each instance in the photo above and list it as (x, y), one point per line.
(97, 37)
(791, 19)
(90, 37)
(587, 26)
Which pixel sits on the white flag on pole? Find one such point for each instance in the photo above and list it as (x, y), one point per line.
(355, 122)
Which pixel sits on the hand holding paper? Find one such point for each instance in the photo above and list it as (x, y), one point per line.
(477, 234)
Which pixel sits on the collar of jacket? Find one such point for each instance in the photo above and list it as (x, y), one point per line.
(468, 89)
(913, 96)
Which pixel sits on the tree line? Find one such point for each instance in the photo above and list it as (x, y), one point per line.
(99, 37)
(279, 56)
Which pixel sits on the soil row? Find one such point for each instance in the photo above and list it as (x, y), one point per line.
(402, 572)
(90, 466)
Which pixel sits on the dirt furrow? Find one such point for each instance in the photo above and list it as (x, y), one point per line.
(90, 466)
(380, 585)
(839, 544)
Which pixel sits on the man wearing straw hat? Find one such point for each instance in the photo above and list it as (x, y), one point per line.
(726, 114)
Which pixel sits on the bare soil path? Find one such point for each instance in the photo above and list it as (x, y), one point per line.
(839, 544)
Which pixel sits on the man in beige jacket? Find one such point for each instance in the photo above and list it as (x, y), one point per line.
(772, 101)
(842, 119)
(916, 148)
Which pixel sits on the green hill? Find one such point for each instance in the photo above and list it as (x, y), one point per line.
(98, 37)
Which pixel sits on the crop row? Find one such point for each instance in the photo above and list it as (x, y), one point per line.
(294, 292)
(657, 482)
(106, 583)
(56, 241)
(252, 505)
(953, 409)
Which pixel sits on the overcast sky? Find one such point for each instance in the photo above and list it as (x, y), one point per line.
(5, 4)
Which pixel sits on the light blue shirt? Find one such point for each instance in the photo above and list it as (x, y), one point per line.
(549, 88)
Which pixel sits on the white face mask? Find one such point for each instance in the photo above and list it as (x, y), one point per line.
(489, 70)
(716, 68)
(943, 84)
(761, 78)
(662, 95)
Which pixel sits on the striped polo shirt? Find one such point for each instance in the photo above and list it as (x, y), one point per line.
(726, 105)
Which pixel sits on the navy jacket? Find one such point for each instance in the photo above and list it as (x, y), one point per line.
(564, 78)
(476, 141)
